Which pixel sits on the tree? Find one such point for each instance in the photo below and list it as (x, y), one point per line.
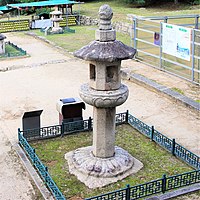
(5, 2)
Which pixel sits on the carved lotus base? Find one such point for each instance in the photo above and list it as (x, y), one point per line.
(103, 99)
(97, 172)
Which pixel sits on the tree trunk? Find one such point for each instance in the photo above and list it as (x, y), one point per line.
(176, 1)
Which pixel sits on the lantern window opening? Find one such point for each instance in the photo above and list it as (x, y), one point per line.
(92, 72)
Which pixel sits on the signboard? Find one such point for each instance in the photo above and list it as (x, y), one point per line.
(176, 41)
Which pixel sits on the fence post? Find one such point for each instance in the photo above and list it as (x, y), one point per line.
(164, 183)
(33, 156)
(173, 147)
(165, 19)
(152, 133)
(198, 160)
(193, 52)
(127, 113)
(135, 33)
(19, 132)
(90, 124)
(196, 21)
(160, 49)
(62, 129)
(46, 172)
(128, 192)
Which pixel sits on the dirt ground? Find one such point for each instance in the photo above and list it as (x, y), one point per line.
(39, 81)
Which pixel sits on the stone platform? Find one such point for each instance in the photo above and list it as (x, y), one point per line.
(97, 172)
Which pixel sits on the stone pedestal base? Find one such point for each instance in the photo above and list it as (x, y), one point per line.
(96, 172)
(56, 30)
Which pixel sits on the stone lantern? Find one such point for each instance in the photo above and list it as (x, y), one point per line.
(56, 18)
(2, 44)
(103, 162)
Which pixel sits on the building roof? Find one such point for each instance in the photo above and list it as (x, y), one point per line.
(4, 8)
(105, 51)
(38, 4)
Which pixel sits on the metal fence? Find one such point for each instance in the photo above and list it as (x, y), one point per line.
(169, 144)
(40, 167)
(143, 33)
(130, 192)
(153, 187)
(18, 51)
(67, 128)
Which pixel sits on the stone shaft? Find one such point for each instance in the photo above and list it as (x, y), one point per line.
(104, 132)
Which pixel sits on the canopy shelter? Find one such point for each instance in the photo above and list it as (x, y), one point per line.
(5, 9)
(38, 4)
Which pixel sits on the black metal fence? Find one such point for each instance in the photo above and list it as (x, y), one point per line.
(130, 192)
(40, 167)
(169, 144)
(153, 187)
(15, 53)
(67, 128)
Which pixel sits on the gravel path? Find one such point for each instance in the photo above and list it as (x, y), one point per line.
(48, 75)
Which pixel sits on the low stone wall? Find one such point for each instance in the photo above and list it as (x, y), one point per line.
(88, 21)
(122, 27)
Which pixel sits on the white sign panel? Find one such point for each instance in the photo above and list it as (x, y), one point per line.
(176, 41)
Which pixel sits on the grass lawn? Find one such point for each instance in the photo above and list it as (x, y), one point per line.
(121, 9)
(9, 49)
(82, 36)
(156, 160)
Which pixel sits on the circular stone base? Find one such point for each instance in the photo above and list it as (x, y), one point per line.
(97, 172)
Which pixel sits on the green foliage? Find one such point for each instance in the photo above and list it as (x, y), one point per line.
(5, 2)
(83, 35)
(135, 1)
(178, 90)
(155, 2)
(40, 11)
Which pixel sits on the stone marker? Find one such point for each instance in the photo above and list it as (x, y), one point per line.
(56, 19)
(2, 43)
(103, 162)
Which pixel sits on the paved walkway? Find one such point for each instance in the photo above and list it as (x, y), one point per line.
(48, 75)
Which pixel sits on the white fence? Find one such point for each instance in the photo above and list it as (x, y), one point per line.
(150, 39)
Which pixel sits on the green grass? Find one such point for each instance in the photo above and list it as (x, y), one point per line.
(156, 160)
(121, 9)
(9, 49)
(83, 36)
(178, 90)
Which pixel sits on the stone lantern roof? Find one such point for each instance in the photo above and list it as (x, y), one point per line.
(2, 37)
(105, 48)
